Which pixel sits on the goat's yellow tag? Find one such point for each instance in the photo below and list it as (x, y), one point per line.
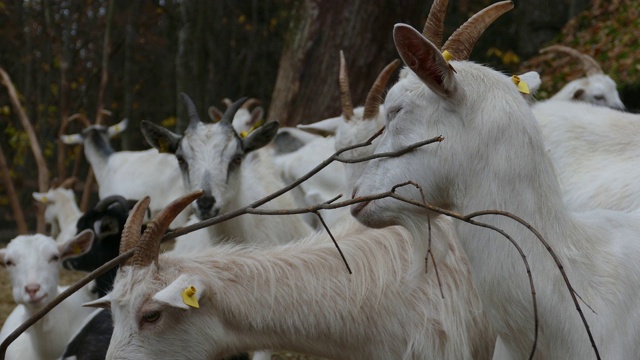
(163, 145)
(44, 199)
(447, 55)
(116, 127)
(76, 249)
(189, 298)
(243, 134)
(69, 138)
(522, 85)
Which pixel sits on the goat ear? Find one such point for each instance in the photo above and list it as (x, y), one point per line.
(257, 114)
(104, 302)
(183, 292)
(41, 197)
(159, 137)
(215, 114)
(578, 94)
(116, 129)
(72, 139)
(260, 137)
(327, 127)
(532, 79)
(78, 245)
(424, 59)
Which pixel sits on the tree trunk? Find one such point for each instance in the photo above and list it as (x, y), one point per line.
(21, 223)
(306, 88)
(43, 171)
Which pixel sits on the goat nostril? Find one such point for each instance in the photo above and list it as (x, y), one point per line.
(32, 289)
(206, 202)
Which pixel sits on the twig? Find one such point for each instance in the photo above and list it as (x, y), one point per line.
(324, 224)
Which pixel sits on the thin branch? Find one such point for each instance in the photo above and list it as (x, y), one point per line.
(324, 224)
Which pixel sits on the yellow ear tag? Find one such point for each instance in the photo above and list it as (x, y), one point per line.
(447, 55)
(189, 298)
(44, 199)
(243, 134)
(523, 87)
(76, 249)
(116, 127)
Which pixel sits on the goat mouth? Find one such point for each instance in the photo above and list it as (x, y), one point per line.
(35, 301)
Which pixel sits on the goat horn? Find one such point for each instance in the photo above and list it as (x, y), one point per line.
(434, 26)
(345, 92)
(231, 111)
(374, 97)
(148, 247)
(104, 204)
(589, 64)
(194, 119)
(464, 38)
(250, 103)
(131, 232)
(68, 183)
(227, 102)
(81, 117)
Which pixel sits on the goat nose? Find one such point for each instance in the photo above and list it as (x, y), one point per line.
(32, 289)
(205, 203)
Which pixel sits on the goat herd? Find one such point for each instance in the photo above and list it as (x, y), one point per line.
(261, 283)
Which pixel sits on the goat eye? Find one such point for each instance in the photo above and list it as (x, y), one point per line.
(393, 111)
(151, 316)
(54, 258)
(598, 97)
(9, 263)
(235, 162)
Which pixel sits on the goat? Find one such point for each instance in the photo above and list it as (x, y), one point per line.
(596, 88)
(130, 174)
(595, 152)
(493, 157)
(233, 173)
(33, 263)
(244, 119)
(254, 298)
(62, 212)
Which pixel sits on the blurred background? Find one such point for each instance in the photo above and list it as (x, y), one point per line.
(283, 52)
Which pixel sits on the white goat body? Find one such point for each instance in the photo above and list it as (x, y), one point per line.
(596, 153)
(130, 174)
(300, 297)
(493, 157)
(62, 212)
(33, 262)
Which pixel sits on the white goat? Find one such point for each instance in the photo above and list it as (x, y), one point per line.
(596, 88)
(61, 213)
(33, 262)
(596, 152)
(233, 174)
(130, 174)
(493, 157)
(296, 296)
(244, 119)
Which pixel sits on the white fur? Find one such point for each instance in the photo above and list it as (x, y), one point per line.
(132, 174)
(299, 297)
(62, 212)
(493, 157)
(34, 260)
(596, 152)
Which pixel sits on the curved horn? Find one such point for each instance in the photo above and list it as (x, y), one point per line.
(250, 103)
(194, 119)
(68, 183)
(79, 117)
(434, 26)
(227, 102)
(589, 64)
(345, 92)
(374, 97)
(464, 38)
(148, 247)
(231, 111)
(104, 204)
(131, 232)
